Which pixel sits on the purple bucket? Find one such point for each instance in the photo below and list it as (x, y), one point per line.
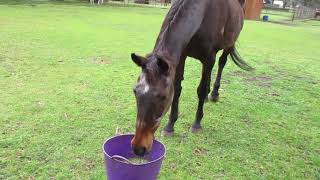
(118, 168)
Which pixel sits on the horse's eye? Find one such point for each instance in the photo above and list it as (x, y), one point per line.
(162, 98)
(134, 91)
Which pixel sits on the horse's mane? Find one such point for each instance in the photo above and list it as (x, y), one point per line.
(176, 12)
(170, 19)
(173, 16)
(182, 21)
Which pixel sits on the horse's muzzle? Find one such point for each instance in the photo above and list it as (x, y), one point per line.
(140, 151)
(142, 142)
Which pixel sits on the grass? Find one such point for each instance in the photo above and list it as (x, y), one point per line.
(65, 87)
(277, 15)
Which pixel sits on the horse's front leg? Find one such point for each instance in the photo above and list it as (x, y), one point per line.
(202, 91)
(169, 128)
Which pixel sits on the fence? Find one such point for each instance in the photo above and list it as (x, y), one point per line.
(278, 14)
(160, 3)
(287, 15)
(281, 15)
(303, 12)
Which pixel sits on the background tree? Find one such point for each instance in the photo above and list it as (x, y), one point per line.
(310, 2)
(286, 3)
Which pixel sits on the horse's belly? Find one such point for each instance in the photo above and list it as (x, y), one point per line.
(203, 45)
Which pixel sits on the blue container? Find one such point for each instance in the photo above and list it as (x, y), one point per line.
(265, 18)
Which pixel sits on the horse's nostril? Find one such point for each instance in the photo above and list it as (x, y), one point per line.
(140, 151)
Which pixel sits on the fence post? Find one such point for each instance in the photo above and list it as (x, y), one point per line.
(293, 15)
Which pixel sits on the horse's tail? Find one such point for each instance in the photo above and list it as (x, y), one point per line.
(237, 59)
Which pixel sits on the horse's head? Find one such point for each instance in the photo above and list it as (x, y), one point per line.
(154, 93)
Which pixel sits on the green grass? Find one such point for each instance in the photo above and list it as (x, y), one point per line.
(277, 15)
(65, 87)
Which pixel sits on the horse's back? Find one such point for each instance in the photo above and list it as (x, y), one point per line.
(220, 28)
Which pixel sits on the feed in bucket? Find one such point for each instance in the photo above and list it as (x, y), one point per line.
(138, 160)
(134, 160)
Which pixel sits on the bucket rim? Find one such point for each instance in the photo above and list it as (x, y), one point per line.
(143, 164)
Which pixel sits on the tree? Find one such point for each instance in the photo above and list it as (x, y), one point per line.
(285, 3)
(309, 2)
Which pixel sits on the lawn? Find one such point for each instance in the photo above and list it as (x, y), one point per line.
(66, 85)
(277, 15)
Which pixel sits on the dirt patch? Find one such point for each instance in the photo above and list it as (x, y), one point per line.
(200, 152)
(100, 60)
(246, 120)
(262, 81)
(273, 94)
(314, 94)
(258, 80)
(239, 73)
(283, 74)
(173, 166)
(225, 81)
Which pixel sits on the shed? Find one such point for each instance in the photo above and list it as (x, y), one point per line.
(253, 9)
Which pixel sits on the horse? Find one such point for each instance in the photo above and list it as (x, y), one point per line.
(191, 28)
(317, 13)
(99, 2)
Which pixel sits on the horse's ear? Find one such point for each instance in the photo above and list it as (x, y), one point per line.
(163, 66)
(139, 60)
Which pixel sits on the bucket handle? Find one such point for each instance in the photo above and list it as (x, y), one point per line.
(121, 159)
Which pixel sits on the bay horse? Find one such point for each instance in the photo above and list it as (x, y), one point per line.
(317, 13)
(194, 28)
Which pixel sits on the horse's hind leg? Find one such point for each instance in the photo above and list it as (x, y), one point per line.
(222, 62)
(208, 88)
(169, 128)
(202, 91)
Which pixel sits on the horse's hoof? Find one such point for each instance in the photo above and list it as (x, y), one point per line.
(166, 133)
(196, 129)
(214, 98)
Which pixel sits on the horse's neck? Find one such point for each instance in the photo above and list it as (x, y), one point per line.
(181, 23)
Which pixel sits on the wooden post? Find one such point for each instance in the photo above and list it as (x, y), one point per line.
(253, 9)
